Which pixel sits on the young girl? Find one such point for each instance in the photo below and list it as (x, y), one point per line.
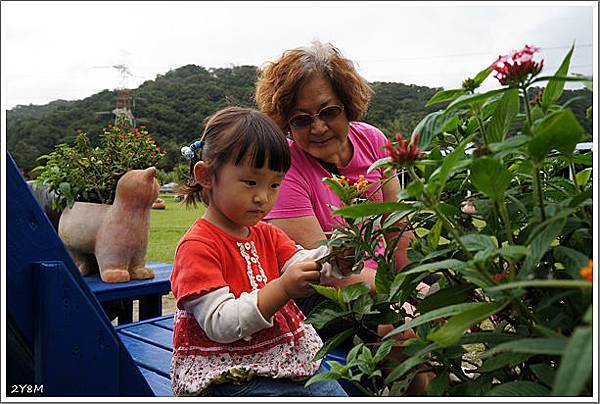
(237, 331)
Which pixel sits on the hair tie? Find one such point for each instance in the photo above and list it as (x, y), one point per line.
(188, 152)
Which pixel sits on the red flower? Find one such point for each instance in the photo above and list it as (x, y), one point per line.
(158, 148)
(500, 276)
(517, 67)
(405, 152)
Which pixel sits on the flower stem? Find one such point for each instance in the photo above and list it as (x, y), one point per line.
(526, 103)
(537, 188)
(450, 226)
(507, 224)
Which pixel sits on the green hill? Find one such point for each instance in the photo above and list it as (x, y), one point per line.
(173, 107)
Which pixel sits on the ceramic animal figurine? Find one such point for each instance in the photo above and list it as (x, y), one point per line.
(113, 239)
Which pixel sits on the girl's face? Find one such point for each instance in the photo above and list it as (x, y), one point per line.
(327, 139)
(240, 196)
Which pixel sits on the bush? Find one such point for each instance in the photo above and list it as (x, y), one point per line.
(84, 173)
(500, 204)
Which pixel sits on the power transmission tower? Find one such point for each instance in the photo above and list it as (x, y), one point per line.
(125, 103)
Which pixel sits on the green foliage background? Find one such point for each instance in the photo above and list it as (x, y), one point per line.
(173, 107)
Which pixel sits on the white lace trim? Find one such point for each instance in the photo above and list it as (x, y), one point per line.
(254, 270)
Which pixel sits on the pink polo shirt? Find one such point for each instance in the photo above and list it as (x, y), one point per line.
(303, 193)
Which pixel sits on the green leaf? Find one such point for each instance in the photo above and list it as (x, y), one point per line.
(324, 314)
(445, 95)
(322, 376)
(576, 366)
(486, 337)
(534, 346)
(540, 244)
(555, 88)
(432, 266)
(542, 283)
(333, 343)
(477, 241)
(409, 363)
(354, 291)
(433, 237)
(379, 163)
(512, 143)
(412, 190)
(433, 315)
(451, 163)
(583, 176)
(472, 98)
(445, 297)
(372, 209)
(513, 251)
(336, 187)
(519, 388)
(384, 349)
(329, 292)
(559, 130)
(451, 332)
(503, 116)
(544, 372)
(383, 280)
(572, 259)
(482, 75)
(429, 127)
(353, 353)
(501, 360)
(490, 177)
(438, 385)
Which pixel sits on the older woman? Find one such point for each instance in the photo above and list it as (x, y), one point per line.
(318, 98)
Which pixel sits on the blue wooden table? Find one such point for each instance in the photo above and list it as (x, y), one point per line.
(148, 291)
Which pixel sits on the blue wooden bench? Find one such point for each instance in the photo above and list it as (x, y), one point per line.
(148, 292)
(59, 336)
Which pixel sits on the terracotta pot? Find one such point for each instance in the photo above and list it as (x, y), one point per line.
(113, 239)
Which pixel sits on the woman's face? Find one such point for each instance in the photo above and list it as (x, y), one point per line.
(325, 140)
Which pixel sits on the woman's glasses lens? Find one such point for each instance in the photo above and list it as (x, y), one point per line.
(301, 121)
(326, 114)
(329, 113)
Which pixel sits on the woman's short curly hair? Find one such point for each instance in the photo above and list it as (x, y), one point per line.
(279, 81)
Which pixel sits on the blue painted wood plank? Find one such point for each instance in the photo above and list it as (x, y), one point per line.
(161, 386)
(151, 333)
(148, 355)
(160, 284)
(166, 323)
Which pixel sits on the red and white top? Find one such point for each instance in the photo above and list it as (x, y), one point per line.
(207, 260)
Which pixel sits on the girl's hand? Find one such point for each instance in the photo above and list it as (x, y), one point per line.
(296, 280)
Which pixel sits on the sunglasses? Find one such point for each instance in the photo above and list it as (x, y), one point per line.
(327, 114)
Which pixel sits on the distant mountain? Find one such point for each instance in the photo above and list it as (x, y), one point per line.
(173, 107)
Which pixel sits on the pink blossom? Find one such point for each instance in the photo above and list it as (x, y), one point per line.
(517, 66)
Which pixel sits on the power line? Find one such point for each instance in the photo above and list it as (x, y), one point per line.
(461, 55)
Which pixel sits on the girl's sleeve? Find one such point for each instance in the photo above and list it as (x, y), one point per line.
(226, 319)
(196, 271)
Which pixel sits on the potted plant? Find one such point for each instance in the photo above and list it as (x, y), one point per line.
(500, 201)
(105, 194)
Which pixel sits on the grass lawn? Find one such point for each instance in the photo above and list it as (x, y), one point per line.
(167, 226)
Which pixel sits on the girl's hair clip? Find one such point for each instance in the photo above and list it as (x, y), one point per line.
(188, 152)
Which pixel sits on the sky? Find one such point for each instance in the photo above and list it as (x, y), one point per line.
(67, 50)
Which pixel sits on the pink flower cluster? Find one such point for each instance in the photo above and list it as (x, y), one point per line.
(517, 67)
